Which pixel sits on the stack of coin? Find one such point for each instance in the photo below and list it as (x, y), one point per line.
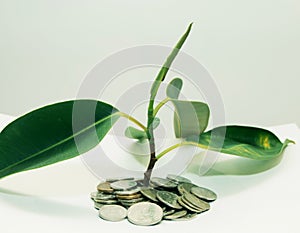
(172, 198)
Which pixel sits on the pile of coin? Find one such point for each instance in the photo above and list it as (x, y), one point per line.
(173, 198)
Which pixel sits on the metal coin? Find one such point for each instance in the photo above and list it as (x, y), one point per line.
(178, 179)
(145, 213)
(204, 193)
(150, 193)
(107, 202)
(129, 197)
(128, 192)
(168, 212)
(123, 184)
(195, 201)
(105, 187)
(186, 217)
(97, 205)
(189, 207)
(132, 201)
(185, 187)
(169, 199)
(156, 181)
(93, 195)
(113, 213)
(114, 179)
(104, 196)
(175, 215)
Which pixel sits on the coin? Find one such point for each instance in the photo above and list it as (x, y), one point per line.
(169, 199)
(107, 202)
(185, 187)
(129, 197)
(112, 213)
(156, 181)
(113, 179)
(178, 179)
(149, 193)
(188, 206)
(168, 212)
(145, 213)
(132, 201)
(195, 201)
(104, 196)
(204, 193)
(175, 215)
(105, 187)
(186, 217)
(97, 205)
(128, 192)
(123, 184)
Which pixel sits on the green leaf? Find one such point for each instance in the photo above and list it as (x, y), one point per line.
(163, 72)
(190, 118)
(174, 88)
(138, 134)
(54, 133)
(245, 141)
(134, 133)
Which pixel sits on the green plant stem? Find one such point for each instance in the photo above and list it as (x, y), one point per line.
(162, 103)
(122, 114)
(185, 143)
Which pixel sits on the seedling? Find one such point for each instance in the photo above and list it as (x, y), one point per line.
(56, 132)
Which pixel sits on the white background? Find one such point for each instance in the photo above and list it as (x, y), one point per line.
(251, 48)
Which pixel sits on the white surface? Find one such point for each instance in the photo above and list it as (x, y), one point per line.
(251, 48)
(56, 198)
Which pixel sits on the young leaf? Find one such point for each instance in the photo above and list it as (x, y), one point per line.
(190, 118)
(138, 134)
(174, 88)
(162, 74)
(134, 133)
(54, 133)
(244, 141)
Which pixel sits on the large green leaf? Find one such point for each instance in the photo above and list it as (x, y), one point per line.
(54, 133)
(190, 118)
(249, 142)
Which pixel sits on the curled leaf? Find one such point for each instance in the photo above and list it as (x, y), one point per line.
(244, 141)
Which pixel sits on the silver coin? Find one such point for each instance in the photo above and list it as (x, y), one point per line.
(149, 193)
(178, 179)
(204, 193)
(128, 192)
(168, 212)
(175, 215)
(104, 196)
(156, 181)
(185, 187)
(169, 199)
(189, 206)
(106, 202)
(113, 213)
(98, 205)
(186, 217)
(123, 184)
(132, 201)
(195, 201)
(114, 179)
(145, 213)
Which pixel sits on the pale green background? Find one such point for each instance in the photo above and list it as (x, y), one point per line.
(251, 48)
